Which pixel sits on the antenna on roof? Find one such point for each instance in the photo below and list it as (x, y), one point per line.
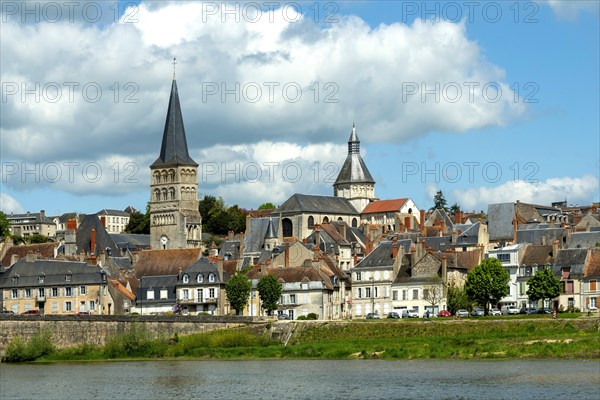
(174, 63)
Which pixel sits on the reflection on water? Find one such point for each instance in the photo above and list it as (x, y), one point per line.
(281, 379)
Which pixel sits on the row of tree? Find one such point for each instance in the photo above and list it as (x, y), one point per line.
(488, 282)
(238, 292)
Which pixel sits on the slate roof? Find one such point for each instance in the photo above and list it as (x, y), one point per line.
(536, 236)
(538, 255)
(64, 218)
(54, 273)
(113, 265)
(500, 221)
(574, 258)
(439, 215)
(584, 240)
(30, 217)
(295, 274)
(231, 249)
(103, 239)
(380, 257)
(164, 262)
(174, 149)
(592, 263)
(156, 283)
(131, 241)
(255, 239)
(469, 234)
(354, 169)
(118, 213)
(438, 243)
(45, 250)
(205, 267)
(383, 206)
(305, 203)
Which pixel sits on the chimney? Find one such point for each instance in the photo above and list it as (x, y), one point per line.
(287, 255)
(315, 253)
(71, 224)
(515, 229)
(317, 235)
(444, 268)
(454, 237)
(422, 250)
(407, 223)
(220, 268)
(31, 256)
(568, 233)
(442, 227)
(355, 259)
(395, 247)
(42, 214)
(93, 241)
(458, 217)
(422, 221)
(413, 256)
(554, 248)
(263, 269)
(343, 224)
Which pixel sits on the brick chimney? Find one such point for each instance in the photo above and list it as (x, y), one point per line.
(422, 221)
(93, 241)
(555, 248)
(442, 228)
(287, 255)
(394, 247)
(343, 225)
(458, 217)
(317, 235)
(72, 224)
(220, 268)
(444, 268)
(407, 223)
(413, 256)
(568, 231)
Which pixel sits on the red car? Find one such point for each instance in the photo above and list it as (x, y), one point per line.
(31, 312)
(444, 313)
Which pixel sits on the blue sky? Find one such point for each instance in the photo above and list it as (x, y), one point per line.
(372, 58)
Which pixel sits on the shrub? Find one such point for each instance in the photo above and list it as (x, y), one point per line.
(312, 316)
(38, 346)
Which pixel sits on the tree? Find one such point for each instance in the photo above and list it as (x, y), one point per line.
(439, 202)
(269, 291)
(487, 283)
(237, 219)
(454, 208)
(238, 291)
(456, 298)
(433, 292)
(543, 285)
(205, 205)
(4, 225)
(138, 222)
(267, 206)
(37, 239)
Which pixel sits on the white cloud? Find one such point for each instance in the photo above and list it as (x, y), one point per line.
(582, 190)
(570, 9)
(8, 204)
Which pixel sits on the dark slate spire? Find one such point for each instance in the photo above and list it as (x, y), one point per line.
(270, 230)
(354, 169)
(174, 149)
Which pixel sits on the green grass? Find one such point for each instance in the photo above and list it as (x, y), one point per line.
(385, 339)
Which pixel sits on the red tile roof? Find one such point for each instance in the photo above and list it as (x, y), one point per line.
(45, 250)
(592, 263)
(122, 289)
(383, 206)
(164, 262)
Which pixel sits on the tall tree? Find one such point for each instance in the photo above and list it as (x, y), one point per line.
(456, 298)
(487, 283)
(269, 291)
(454, 208)
(238, 292)
(267, 206)
(204, 207)
(138, 222)
(439, 202)
(4, 225)
(237, 219)
(543, 285)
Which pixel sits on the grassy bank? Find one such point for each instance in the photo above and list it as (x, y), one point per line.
(462, 340)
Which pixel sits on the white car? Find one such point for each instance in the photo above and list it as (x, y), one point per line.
(495, 311)
(410, 314)
(509, 310)
(462, 313)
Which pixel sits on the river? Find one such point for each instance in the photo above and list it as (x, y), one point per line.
(300, 379)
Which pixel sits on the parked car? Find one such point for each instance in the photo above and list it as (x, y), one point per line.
(31, 312)
(477, 312)
(84, 313)
(544, 310)
(495, 311)
(410, 314)
(372, 316)
(462, 313)
(509, 310)
(528, 310)
(7, 312)
(444, 313)
(393, 315)
(283, 317)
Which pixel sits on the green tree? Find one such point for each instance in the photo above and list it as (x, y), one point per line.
(439, 202)
(454, 208)
(4, 225)
(487, 283)
(237, 219)
(205, 205)
(238, 291)
(269, 291)
(267, 206)
(138, 222)
(543, 285)
(456, 298)
(37, 239)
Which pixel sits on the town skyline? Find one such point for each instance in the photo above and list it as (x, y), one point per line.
(497, 152)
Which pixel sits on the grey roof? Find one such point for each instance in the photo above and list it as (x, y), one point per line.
(305, 203)
(230, 249)
(103, 239)
(131, 241)
(156, 283)
(204, 267)
(174, 149)
(54, 273)
(438, 243)
(354, 169)
(469, 234)
(270, 230)
(118, 213)
(540, 235)
(255, 239)
(440, 215)
(30, 217)
(114, 265)
(574, 258)
(500, 221)
(380, 257)
(584, 240)
(64, 218)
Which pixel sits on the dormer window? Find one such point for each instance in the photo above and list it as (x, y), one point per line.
(68, 277)
(186, 278)
(199, 278)
(41, 279)
(211, 277)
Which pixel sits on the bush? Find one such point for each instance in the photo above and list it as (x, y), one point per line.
(312, 316)
(38, 346)
(136, 342)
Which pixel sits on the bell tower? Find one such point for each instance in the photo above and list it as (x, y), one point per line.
(175, 221)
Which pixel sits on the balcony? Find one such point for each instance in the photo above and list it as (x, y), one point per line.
(40, 298)
(187, 301)
(209, 300)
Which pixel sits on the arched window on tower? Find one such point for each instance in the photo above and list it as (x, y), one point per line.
(311, 222)
(325, 220)
(288, 227)
(354, 223)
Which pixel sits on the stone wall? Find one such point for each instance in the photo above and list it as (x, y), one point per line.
(68, 331)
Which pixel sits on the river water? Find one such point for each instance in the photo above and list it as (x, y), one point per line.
(285, 379)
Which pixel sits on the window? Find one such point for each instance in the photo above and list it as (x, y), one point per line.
(199, 294)
(14, 293)
(311, 222)
(150, 294)
(211, 277)
(504, 257)
(164, 294)
(68, 278)
(68, 306)
(186, 278)
(592, 286)
(54, 307)
(376, 294)
(185, 294)
(27, 293)
(211, 293)
(292, 299)
(287, 227)
(68, 291)
(199, 278)
(368, 292)
(592, 302)
(358, 276)
(41, 279)
(394, 295)
(304, 286)
(54, 292)
(41, 293)
(92, 305)
(426, 294)
(82, 289)
(405, 294)
(359, 293)
(415, 294)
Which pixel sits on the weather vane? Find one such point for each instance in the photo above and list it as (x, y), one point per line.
(174, 63)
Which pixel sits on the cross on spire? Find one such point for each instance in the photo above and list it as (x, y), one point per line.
(174, 63)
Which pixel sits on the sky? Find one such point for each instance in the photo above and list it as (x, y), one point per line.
(488, 101)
